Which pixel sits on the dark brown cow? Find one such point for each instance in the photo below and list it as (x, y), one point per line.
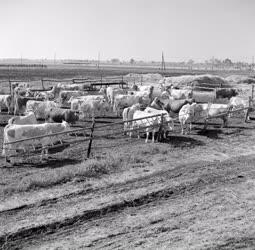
(59, 115)
(226, 93)
(176, 105)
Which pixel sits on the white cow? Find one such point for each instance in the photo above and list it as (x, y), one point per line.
(90, 107)
(111, 92)
(22, 120)
(179, 94)
(16, 132)
(210, 110)
(240, 103)
(123, 101)
(5, 102)
(186, 115)
(128, 114)
(152, 123)
(65, 95)
(167, 126)
(40, 107)
(50, 94)
(75, 102)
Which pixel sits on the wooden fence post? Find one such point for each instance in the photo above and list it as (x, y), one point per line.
(42, 83)
(249, 108)
(160, 131)
(91, 138)
(252, 92)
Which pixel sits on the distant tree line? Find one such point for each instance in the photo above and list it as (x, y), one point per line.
(24, 65)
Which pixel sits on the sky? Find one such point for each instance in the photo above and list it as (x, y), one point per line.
(125, 29)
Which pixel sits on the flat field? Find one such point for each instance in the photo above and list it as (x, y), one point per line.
(188, 192)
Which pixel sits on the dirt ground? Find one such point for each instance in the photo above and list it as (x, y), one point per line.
(188, 192)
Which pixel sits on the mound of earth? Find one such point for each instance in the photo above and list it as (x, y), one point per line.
(237, 79)
(199, 80)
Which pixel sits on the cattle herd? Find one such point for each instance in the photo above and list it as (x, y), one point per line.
(140, 106)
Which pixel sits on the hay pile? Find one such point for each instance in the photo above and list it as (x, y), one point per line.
(199, 80)
(238, 79)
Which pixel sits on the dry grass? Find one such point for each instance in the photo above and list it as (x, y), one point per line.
(91, 168)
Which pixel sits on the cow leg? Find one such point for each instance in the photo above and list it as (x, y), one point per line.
(138, 134)
(125, 128)
(246, 115)
(164, 134)
(41, 158)
(147, 136)
(130, 134)
(181, 128)
(190, 127)
(46, 151)
(153, 136)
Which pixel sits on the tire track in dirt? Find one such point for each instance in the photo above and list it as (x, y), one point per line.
(191, 186)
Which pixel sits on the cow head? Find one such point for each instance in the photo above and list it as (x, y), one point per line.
(169, 120)
(65, 125)
(234, 92)
(70, 100)
(102, 91)
(134, 87)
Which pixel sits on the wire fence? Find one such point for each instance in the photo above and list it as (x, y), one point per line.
(59, 141)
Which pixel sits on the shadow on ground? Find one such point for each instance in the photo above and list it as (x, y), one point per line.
(183, 141)
(50, 163)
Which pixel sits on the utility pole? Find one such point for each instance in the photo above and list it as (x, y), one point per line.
(163, 65)
(252, 65)
(98, 60)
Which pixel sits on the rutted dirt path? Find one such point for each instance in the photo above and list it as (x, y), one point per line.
(192, 185)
